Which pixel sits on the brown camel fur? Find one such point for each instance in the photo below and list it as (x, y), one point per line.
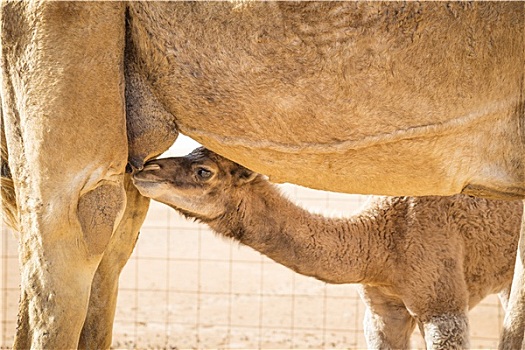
(387, 98)
(423, 260)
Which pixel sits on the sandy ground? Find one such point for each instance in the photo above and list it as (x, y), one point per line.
(186, 288)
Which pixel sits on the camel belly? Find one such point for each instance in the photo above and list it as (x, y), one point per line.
(434, 165)
(381, 98)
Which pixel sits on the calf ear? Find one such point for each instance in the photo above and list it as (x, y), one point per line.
(244, 175)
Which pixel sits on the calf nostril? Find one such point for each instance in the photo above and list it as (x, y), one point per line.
(136, 163)
(151, 167)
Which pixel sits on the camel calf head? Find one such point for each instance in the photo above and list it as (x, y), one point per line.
(200, 184)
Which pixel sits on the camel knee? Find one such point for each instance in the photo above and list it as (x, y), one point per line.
(447, 332)
(99, 210)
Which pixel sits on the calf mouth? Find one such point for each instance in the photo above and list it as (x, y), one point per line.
(147, 174)
(151, 167)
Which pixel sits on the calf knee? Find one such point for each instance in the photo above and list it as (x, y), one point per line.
(98, 211)
(447, 332)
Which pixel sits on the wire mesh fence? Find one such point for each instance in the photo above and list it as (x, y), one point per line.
(184, 287)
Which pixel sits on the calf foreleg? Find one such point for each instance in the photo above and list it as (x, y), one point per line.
(447, 331)
(387, 323)
(514, 323)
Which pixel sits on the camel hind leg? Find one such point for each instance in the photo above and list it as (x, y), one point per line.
(97, 330)
(64, 122)
(9, 206)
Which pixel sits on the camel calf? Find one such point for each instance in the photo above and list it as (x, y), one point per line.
(418, 260)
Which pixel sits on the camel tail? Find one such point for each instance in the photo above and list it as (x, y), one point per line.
(9, 207)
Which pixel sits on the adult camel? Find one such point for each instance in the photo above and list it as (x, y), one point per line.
(381, 98)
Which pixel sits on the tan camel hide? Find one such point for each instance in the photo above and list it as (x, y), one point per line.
(418, 260)
(383, 98)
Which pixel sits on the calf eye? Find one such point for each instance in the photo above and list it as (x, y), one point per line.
(204, 173)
